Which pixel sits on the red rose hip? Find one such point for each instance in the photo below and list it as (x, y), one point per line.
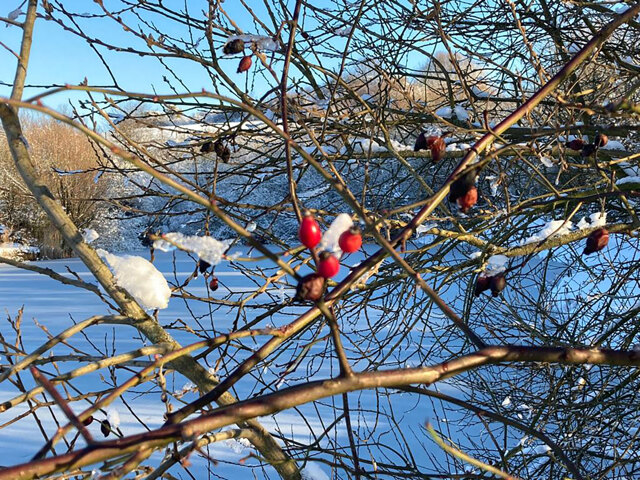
(309, 232)
(245, 64)
(351, 240)
(468, 200)
(596, 241)
(328, 266)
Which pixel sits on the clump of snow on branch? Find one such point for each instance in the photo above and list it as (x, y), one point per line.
(113, 417)
(554, 228)
(260, 41)
(140, 278)
(365, 145)
(341, 224)
(596, 220)
(312, 471)
(238, 445)
(89, 235)
(207, 249)
(496, 264)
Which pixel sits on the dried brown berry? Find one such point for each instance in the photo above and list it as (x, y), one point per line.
(575, 144)
(234, 46)
(88, 421)
(311, 287)
(203, 266)
(421, 143)
(482, 284)
(105, 427)
(213, 283)
(206, 147)
(588, 150)
(219, 147)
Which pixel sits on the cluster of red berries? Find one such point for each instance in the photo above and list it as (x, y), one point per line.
(463, 191)
(311, 287)
(237, 46)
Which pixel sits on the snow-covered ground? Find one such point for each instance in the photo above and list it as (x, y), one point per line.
(52, 306)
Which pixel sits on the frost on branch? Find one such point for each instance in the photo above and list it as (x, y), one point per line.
(206, 248)
(140, 278)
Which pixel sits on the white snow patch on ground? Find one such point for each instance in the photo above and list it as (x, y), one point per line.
(208, 249)
(341, 224)
(461, 113)
(140, 278)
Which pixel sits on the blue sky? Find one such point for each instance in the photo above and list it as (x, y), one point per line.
(59, 57)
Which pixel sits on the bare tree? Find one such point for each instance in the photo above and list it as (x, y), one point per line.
(486, 149)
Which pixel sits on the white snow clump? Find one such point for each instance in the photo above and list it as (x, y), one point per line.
(140, 278)
(330, 239)
(89, 235)
(554, 228)
(207, 249)
(597, 220)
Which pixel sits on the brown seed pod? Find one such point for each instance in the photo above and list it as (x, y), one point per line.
(225, 154)
(234, 46)
(219, 147)
(206, 147)
(596, 241)
(311, 287)
(88, 421)
(105, 427)
(497, 284)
